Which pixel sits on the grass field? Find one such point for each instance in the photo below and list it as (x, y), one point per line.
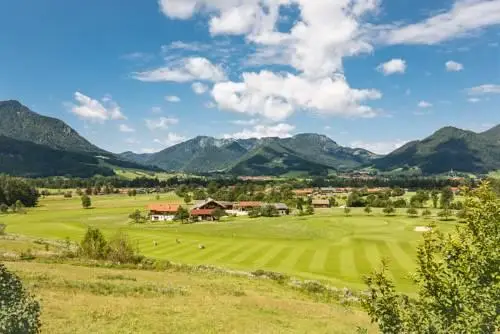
(78, 299)
(326, 246)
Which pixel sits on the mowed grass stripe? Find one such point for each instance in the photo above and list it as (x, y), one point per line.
(273, 251)
(409, 248)
(397, 270)
(361, 261)
(254, 257)
(305, 260)
(288, 262)
(372, 254)
(213, 251)
(255, 247)
(403, 258)
(278, 258)
(231, 253)
(332, 262)
(318, 261)
(348, 269)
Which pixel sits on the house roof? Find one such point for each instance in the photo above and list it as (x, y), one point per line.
(280, 206)
(210, 200)
(320, 202)
(249, 204)
(164, 207)
(202, 212)
(304, 191)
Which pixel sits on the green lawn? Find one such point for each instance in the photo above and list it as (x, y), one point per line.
(326, 246)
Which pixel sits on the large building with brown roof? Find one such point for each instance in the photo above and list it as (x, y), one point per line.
(162, 212)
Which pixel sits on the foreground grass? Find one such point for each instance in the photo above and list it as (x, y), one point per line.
(94, 300)
(326, 246)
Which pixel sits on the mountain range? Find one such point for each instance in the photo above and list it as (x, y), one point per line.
(35, 145)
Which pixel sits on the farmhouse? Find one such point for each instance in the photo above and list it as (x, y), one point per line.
(247, 206)
(303, 192)
(320, 203)
(162, 212)
(206, 209)
(282, 208)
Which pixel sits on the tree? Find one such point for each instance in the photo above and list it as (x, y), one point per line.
(200, 195)
(4, 208)
(2, 229)
(347, 211)
(445, 213)
(269, 211)
(412, 212)
(219, 213)
(86, 202)
(182, 214)
(68, 194)
(389, 210)
(19, 311)
(121, 250)
(446, 197)
(435, 198)
(457, 278)
(333, 202)
(137, 217)
(94, 245)
(426, 213)
(20, 207)
(187, 198)
(300, 204)
(396, 192)
(368, 209)
(309, 210)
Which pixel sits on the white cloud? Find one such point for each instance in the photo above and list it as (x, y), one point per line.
(156, 110)
(383, 147)
(172, 99)
(252, 121)
(393, 66)
(484, 89)
(185, 70)
(126, 128)
(170, 140)
(94, 110)
(424, 104)
(199, 88)
(474, 100)
(162, 123)
(132, 141)
(281, 130)
(465, 17)
(210, 105)
(276, 96)
(453, 66)
(148, 150)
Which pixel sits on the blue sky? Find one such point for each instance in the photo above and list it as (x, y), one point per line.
(143, 75)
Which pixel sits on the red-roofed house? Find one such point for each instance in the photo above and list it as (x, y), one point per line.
(162, 212)
(247, 205)
(203, 214)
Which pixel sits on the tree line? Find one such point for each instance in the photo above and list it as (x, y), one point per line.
(16, 192)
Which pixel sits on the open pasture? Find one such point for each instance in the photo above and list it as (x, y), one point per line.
(327, 246)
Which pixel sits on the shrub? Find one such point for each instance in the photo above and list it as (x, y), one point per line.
(368, 209)
(86, 201)
(19, 311)
(4, 208)
(68, 194)
(426, 213)
(389, 210)
(121, 250)
(136, 217)
(412, 212)
(309, 210)
(2, 229)
(347, 211)
(275, 276)
(94, 245)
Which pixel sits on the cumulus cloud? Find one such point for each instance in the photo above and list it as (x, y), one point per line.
(148, 150)
(484, 89)
(126, 128)
(185, 70)
(382, 147)
(156, 110)
(453, 66)
(281, 130)
(162, 123)
(199, 88)
(276, 96)
(170, 140)
(132, 141)
(94, 110)
(252, 121)
(424, 104)
(474, 100)
(172, 99)
(465, 17)
(393, 66)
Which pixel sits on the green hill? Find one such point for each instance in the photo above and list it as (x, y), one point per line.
(448, 148)
(307, 153)
(35, 145)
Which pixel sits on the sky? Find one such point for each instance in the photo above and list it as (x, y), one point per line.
(144, 75)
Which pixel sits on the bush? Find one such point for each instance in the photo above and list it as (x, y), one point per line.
(68, 194)
(389, 210)
(94, 245)
(275, 276)
(4, 208)
(2, 229)
(347, 211)
(426, 213)
(412, 212)
(19, 311)
(137, 217)
(121, 250)
(86, 201)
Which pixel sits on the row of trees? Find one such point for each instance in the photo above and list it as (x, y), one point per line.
(13, 189)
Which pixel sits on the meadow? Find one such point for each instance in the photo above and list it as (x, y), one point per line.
(326, 246)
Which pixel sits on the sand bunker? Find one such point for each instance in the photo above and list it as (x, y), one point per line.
(423, 229)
